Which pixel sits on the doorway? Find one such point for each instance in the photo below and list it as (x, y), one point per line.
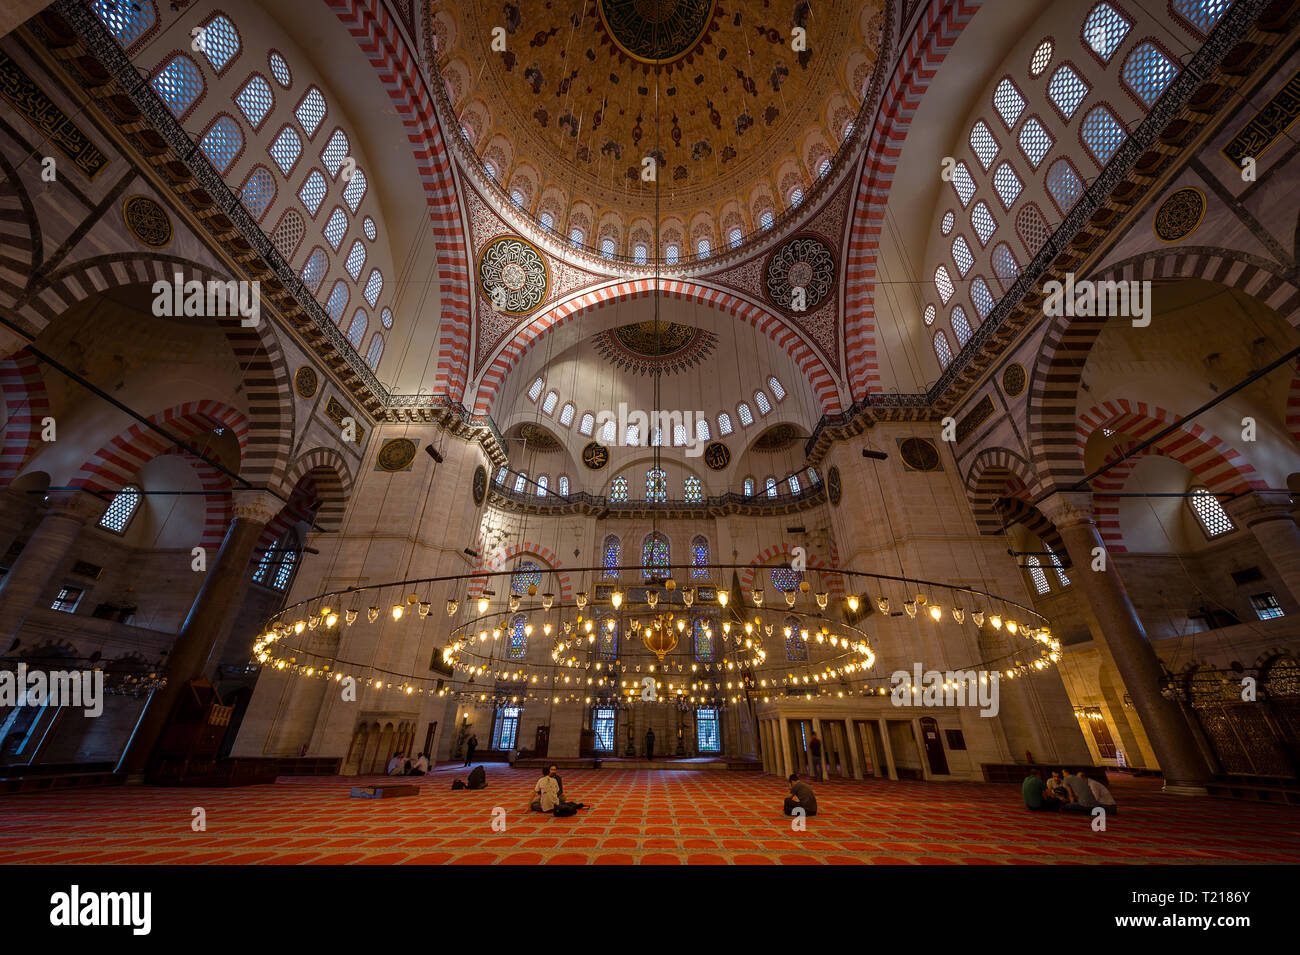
(429, 734)
(543, 741)
(933, 746)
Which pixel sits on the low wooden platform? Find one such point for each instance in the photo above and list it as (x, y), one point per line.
(618, 763)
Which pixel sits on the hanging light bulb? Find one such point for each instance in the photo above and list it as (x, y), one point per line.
(910, 607)
(688, 596)
(936, 613)
(790, 598)
(452, 607)
(581, 600)
(349, 617)
(681, 625)
(920, 600)
(822, 599)
(546, 628)
(616, 598)
(757, 596)
(313, 622)
(331, 620)
(482, 604)
(652, 598)
(978, 618)
(883, 603)
(722, 598)
(398, 610)
(425, 607)
(852, 602)
(1012, 627)
(528, 630)
(996, 621)
(587, 626)
(547, 600)
(300, 626)
(514, 602)
(726, 628)
(372, 614)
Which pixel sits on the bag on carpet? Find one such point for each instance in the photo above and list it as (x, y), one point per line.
(477, 778)
(566, 809)
(457, 784)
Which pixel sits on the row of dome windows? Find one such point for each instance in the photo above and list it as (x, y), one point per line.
(179, 83)
(1145, 73)
(703, 432)
(656, 485)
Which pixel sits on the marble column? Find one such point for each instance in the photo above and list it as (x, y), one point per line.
(888, 744)
(42, 556)
(787, 766)
(815, 766)
(856, 764)
(217, 602)
(1268, 516)
(1122, 631)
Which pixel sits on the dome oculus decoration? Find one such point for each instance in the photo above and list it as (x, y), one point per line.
(513, 276)
(640, 349)
(657, 32)
(800, 274)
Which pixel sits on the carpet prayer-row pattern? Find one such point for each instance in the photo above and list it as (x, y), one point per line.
(637, 817)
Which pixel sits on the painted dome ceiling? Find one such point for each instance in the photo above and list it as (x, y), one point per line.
(565, 114)
(643, 347)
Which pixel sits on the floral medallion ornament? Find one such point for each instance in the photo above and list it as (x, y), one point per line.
(834, 487)
(396, 454)
(512, 274)
(800, 274)
(147, 221)
(1179, 215)
(479, 489)
(305, 381)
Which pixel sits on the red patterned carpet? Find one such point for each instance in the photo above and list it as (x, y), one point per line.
(646, 817)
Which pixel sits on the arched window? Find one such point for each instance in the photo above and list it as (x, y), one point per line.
(812, 475)
(766, 219)
(121, 509)
(1214, 520)
(942, 350)
(796, 196)
(219, 42)
(1102, 133)
(313, 273)
(275, 569)
(747, 488)
(375, 351)
(639, 253)
(1147, 71)
(1063, 185)
(1057, 563)
(656, 438)
(255, 100)
(744, 414)
(611, 557)
(336, 227)
(563, 485)
(796, 647)
(1008, 102)
(786, 579)
(566, 414)
(1005, 265)
(179, 84)
(518, 647)
(128, 22)
(770, 484)
(1066, 89)
(702, 634)
(961, 254)
(608, 433)
(1104, 30)
(357, 330)
(374, 286)
(335, 151)
(672, 253)
(1007, 184)
(337, 301)
(702, 432)
(312, 192)
(517, 198)
(542, 483)
(535, 389)
(724, 424)
(1036, 574)
(356, 259)
(587, 424)
(981, 297)
(632, 437)
(962, 183)
(1034, 141)
(700, 557)
(943, 283)
(983, 144)
(607, 247)
(552, 399)
(280, 69)
(575, 235)
(490, 168)
(983, 222)
(618, 489)
(1200, 15)
(794, 484)
(501, 474)
(355, 190)
(694, 490)
(258, 192)
(656, 485)
(928, 315)
(548, 221)
(521, 481)
(735, 237)
(285, 149)
(386, 317)
(526, 575)
(960, 325)
(1041, 59)
(1032, 229)
(288, 234)
(679, 435)
(777, 389)
(703, 248)
(311, 111)
(654, 556)
(760, 399)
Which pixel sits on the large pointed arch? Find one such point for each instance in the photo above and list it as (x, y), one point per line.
(834, 582)
(26, 404)
(331, 483)
(814, 368)
(501, 558)
(994, 474)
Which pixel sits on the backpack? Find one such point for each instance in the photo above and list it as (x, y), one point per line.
(477, 778)
(457, 784)
(566, 809)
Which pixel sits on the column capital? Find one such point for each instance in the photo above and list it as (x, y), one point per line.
(1068, 508)
(255, 505)
(1256, 507)
(75, 504)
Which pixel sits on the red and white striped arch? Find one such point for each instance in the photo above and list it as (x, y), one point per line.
(499, 560)
(1217, 465)
(834, 582)
(26, 404)
(805, 356)
(936, 32)
(216, 499)
(396, 65)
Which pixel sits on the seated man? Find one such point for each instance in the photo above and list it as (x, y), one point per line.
(1081, 798)
(421, 766)
(1035, 793)
(396, 765)
(801, 797)
(548, 793)
(553, 771)
(1056, 786)
(1103, 797)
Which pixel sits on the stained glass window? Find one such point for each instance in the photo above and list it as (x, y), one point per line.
(222, 143)
(518, 647)
(639, 253)
(375, 351)
(632, 437)
(1060, 570)
(368, 227)
(735, 237)
(708, 739)
(312, 192)
(607, 247)
(121, 509)
(766, 219)
(700, 557)
(337, 301)
(748, 487)
(521, 481)
(960, 325)
(564, 485)
(679, 435)
(1104, 30)
(1102, 133)
(694, 490)
(526, 574)
(928, 315)
(506, 734)
(776, 386)
(612, 556)
(220, 41)
(983, 222)
(793, 481)
(796, 648)
(602, 725)
(1008, 102)
(1066, 89)
(255, 100)
(771, 487)
(336, 227)
(258, 192)
(548, 221)
(313, 273)
(126, 21)
(1042, 57)
(786, 579)
(656, 485)
(386, 316)
(654, 556)
(374, 286)
(282, 573)
(355, 190)
(813, 476)
(179, 83)
(608, 431)
(285, 149)
(542, 483)
(702, 432)
(501, 475)
(703, 247)
(551, 400)
(607, 642)
(618, 489)
(1147, 72)
(796, 196)
(1036, 573)
(357, 330)
(703, 635)
(943, 283)
(535, 389)
(1201, 14)
(1214, 519)
(672, 253)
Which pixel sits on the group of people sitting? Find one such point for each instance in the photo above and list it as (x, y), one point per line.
(1065, 792)
(550, 795)
(402, 765)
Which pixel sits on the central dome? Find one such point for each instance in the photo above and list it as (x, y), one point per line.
(737, 109)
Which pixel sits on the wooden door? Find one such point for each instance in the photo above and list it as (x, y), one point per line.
(543, 741)
(933, 746)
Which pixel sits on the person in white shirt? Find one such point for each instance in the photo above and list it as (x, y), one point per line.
(1102, 797)
(548, 794)
(421, 766)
